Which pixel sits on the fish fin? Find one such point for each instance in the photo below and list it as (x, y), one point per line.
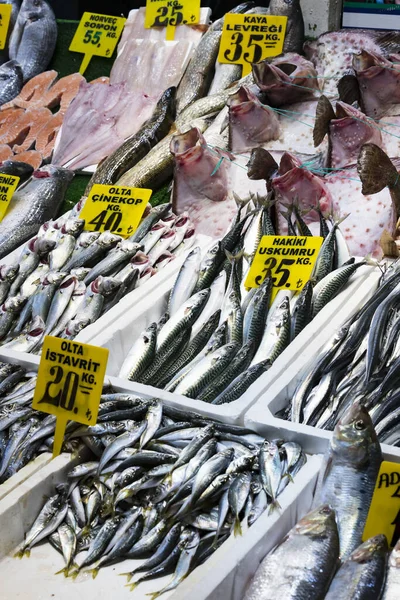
(274, 506)
(323, 116)
(64, 571)
(133, 586)
(20, 553)
(129, 575)
(389, 40)
(74, 574)
(388, 245)
(237, 527)
(261, 164)
(288, 475)
(368, 260)
(376, 170)
(349, 89)
(94, 572)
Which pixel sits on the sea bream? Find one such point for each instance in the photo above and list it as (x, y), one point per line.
(34, 37)
(30, 207)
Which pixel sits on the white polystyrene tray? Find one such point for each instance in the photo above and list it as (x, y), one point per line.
(262, 413)
(123, 332)
(224, 575)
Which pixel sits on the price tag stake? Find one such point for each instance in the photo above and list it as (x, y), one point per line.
(5, 16)
(289, 258)
(114, 208)
(248, 39)
(171, 13)
(384, 512)
(69, 384)
(96, 35)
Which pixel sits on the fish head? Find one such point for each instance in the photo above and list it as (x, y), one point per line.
(348, 133)
(20, 169)
(354, 434)
(32, 10)
(9, 272)
(188, 147)
(317, 522)
(80, 273)
(11, 71)
(53, 172)
(54, 277)
(107, 285)
(369, 549)
(14, 304)
(140, 259)
(87, 238)
(128, 247)
(108, 239)
(286, 79)
(76, 327)
(43, 246)
(36, 329)
(164, 259)
(378, 80)
(73, 226)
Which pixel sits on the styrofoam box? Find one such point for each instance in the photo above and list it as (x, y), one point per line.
(224, 575)
(262, 413)
(122, 332)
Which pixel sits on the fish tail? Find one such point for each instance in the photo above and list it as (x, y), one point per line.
(237, 527)
(94, 572)
(132, 586)
(64, 571)
(288, 475)
(376, 170)
(19, 554)
(274, 506)
(129, 575)
(74, 574)
(323, 116)
(261, 164)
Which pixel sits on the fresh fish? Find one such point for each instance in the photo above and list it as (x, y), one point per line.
(34, 37)
(29, 208)
(303, 564)
(11, 80)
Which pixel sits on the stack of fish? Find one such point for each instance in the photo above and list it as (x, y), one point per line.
(323, 555)
(22, 429)
(66, 278)
(359, 362)
(30, 45)
(165, 485)
(217, 337)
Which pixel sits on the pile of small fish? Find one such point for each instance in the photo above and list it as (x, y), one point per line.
(361, 362)
(22, 429)
(217, 337)
(165, 485)
(323, 555)
(66, 278)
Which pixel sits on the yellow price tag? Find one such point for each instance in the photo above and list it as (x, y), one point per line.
(170, 13)
(114, 208)
(70, 383)
(248, 39)
(5, 16)
(384, 512)
(290, 259)
(8, 185)
(96, 35)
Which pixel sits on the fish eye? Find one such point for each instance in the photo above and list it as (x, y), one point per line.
(359, 425)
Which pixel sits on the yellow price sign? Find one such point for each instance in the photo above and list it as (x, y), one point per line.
(289, 258)
(171, 13)
(384, 512)
(114, 208)
(5, 16)
(8, 185)
(248, 39)
(69, 383)
(96, 35)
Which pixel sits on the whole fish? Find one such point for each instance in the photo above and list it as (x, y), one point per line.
(303, 564)
(294, 36)
(347, 479)
(38, 201)
(363, 574)
(34, 37)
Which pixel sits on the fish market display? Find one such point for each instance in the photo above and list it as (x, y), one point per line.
(164, 486)
(66, 278)
(34, 37)
(323, 556)
(359, 363)
(31, 206)
(11, 81)
(217, 337)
